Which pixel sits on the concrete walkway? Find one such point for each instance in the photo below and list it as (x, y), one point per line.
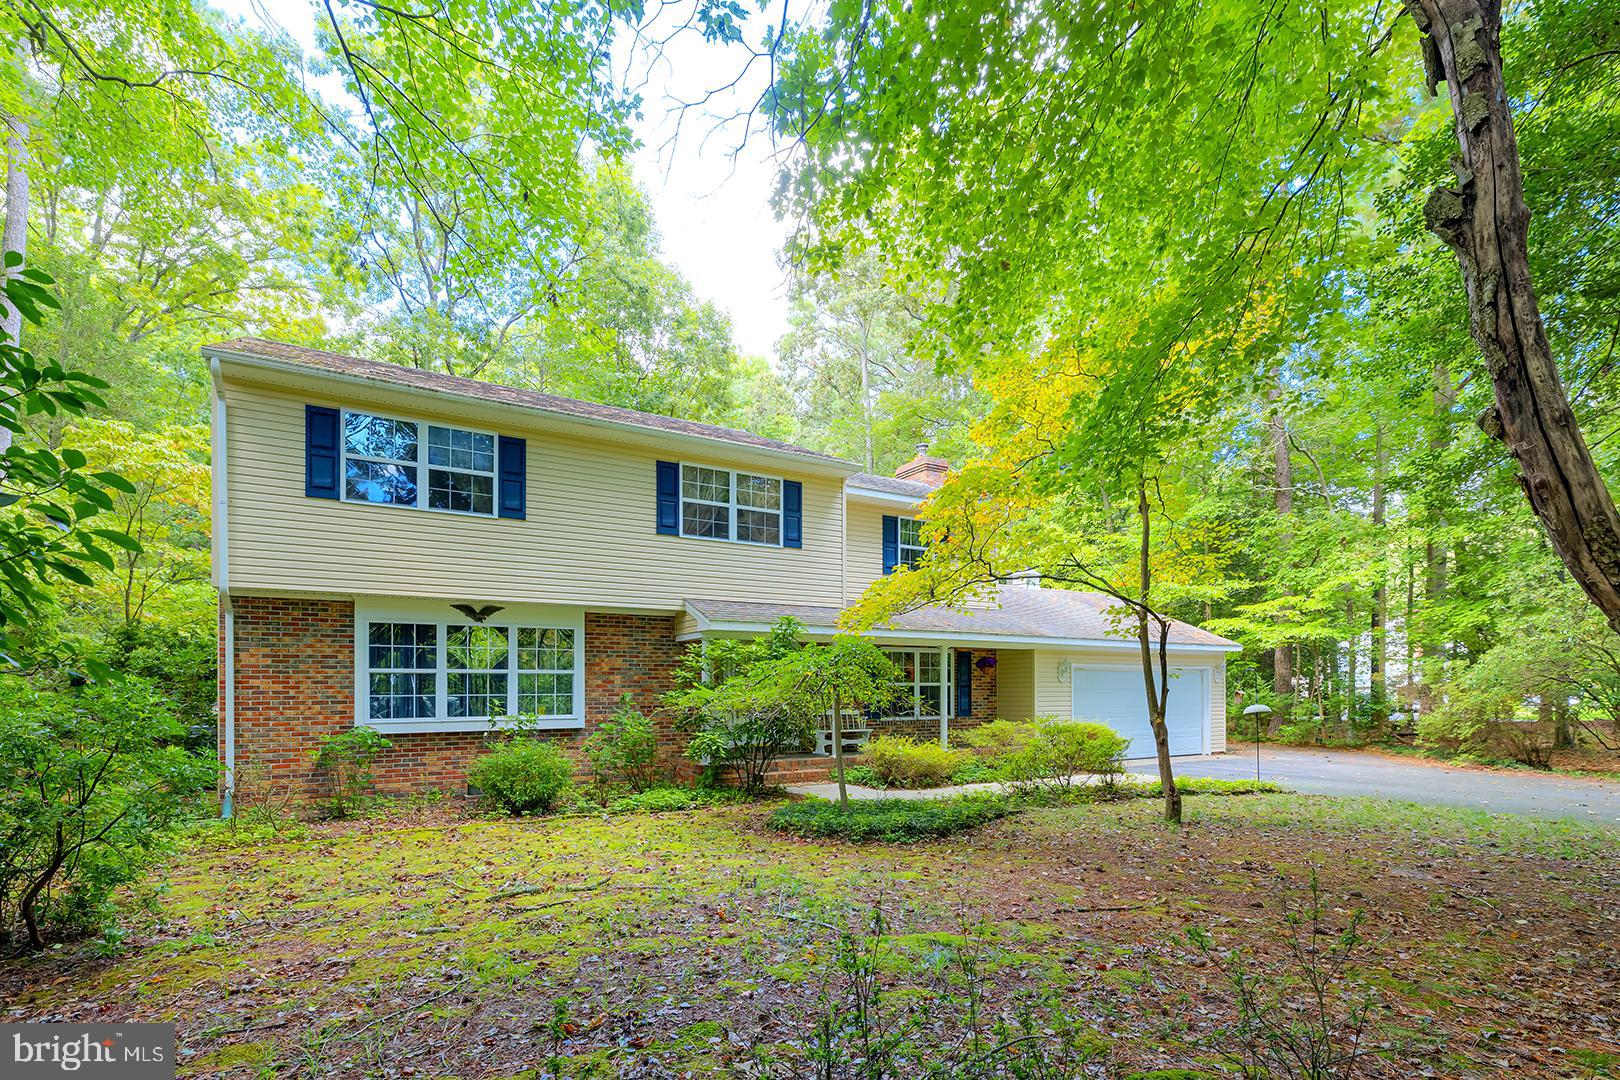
(1353, 773)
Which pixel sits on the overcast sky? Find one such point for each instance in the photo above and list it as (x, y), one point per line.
(713, 206)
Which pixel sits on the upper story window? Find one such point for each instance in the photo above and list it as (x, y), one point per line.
(903, 543)
(722, 505)
(911, 542)
(390, 461)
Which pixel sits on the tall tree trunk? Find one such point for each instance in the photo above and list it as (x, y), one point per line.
(1563, 730)
(1350, 669)
(1155, 663)
(1437, 551)
(1380, 610)
(1407, 635)
(1484, 221)
(1282, 657)
(14, 237)
(866, 398)
(838, 750)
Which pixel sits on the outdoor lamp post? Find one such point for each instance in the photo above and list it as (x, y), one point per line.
(1257, 711)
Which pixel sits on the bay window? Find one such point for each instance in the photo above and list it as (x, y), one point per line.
(417, 675)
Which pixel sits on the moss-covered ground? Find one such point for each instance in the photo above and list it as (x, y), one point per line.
(703, 944)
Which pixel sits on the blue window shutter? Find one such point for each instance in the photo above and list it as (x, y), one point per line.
(792, 514)
(512, 476)
(322, 452)
(891, 543)
(964, 682)
(669, 498)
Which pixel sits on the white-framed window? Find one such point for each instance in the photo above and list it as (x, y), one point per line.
(402, 666)
(414, 463)
(545, 665)
(719, 504)
(911, 542)
(427, 668)
(924, 683)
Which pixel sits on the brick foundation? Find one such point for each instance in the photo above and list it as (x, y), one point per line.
(295, 685)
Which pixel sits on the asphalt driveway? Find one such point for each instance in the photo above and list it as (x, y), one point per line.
(1348, 772)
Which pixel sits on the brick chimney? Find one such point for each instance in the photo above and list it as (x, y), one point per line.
(923, 468)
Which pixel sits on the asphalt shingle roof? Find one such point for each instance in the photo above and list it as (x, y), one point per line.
(354, 366)
(892, 484)
(1059, 614)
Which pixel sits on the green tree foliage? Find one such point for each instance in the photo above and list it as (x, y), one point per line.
(90, 780)
(859, 388)
(1232, 240)
(49, 499)
(749, 701)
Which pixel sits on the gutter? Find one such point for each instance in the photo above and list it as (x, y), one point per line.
(222, 581)
(904, 635)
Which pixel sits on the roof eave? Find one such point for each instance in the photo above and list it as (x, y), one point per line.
(887, 498)
(705, 626)
(813, 463)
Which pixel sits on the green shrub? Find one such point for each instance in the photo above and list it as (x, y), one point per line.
(523, 776)
(975, 771)
(347, 758)
(894, 821)
(624, 748)
(750, 702)
(998, 738)
(1208, 785)
(909, 763)
(864, 775)
(1299, 733)
(91, 783)
(1049, 752)
(654, 801)
(180, 663)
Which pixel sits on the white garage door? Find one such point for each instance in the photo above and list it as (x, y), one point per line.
(1116, 697)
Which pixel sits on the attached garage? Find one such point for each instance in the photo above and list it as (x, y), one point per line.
(1116, 695)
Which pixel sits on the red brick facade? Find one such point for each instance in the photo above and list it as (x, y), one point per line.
(295, 666)
(635, 655)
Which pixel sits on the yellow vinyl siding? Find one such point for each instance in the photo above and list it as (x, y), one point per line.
(1015, 683)
(865, 546)
(589, 537)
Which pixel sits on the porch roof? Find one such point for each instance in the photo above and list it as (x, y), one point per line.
(1020, 616)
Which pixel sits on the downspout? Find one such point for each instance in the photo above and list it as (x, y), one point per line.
(221, 560)
(228, 796)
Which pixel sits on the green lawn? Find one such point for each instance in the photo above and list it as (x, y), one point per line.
(703, 944)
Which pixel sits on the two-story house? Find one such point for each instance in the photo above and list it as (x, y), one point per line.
(421, 553)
